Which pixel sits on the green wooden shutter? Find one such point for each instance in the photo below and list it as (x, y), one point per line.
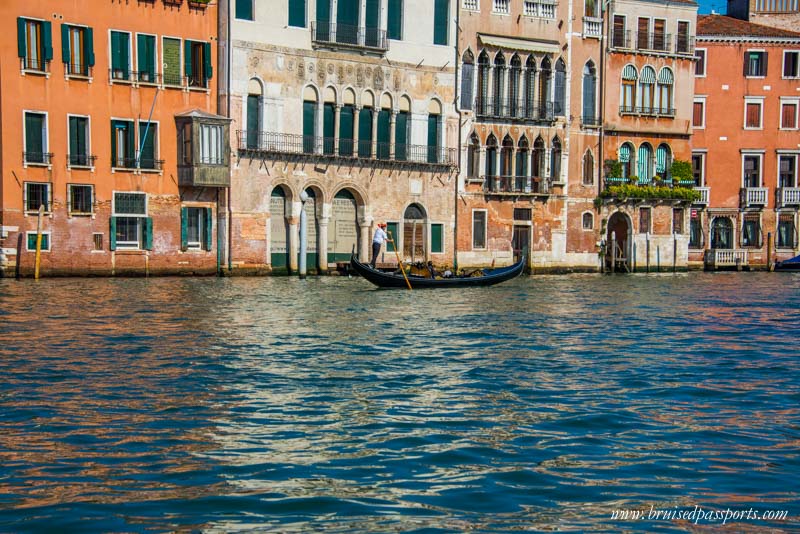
(244, 9)
(187, 58)
(401, 136)
(73, 140)
(297, 13)
(437, 235)
(372, 23)
(47, 35)
(113, 143)
(346, 131)
(147, 143)
(391, 230)
(34, 125)
(324, 11)
(207, 63)
(309, 118)
(115, 53)
(88, 47)
(21, 42)
(252, 120)
(65, 56)
(184, 228)
(328, 128)
(365, 133)
(395, 19)
(112, 233)
(146, 49)
(148, 233)
(433, 138)
(440, 23)
(384, 126)
(208, 227)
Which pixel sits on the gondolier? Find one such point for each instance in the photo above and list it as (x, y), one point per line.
(378, 239)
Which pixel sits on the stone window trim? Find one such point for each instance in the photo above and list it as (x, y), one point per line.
(587, 221)
(752, 101)
(47, 245)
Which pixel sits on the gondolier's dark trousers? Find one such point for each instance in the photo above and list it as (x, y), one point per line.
(376, 249)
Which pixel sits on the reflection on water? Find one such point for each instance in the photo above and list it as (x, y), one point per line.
(239, 404)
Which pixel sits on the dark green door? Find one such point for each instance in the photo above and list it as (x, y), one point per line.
(323, 20)
(346, 130)
(372, 23)
(34, 138)
(433, 139)
(347, 21)
(309, 118)
(252, 120)
(328, 131)
(384, 124)
(401, 136)
(365, 133)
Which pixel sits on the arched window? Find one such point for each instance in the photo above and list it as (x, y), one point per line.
(626, 159)
(491, 156)
(521, 164)
(506, 156)
(255, 110)
(537, 159)
(722, 233)
(628, 93)
(646, 90)
(663, 162)
(555, 160)
(644, 168)
(588, 168)
(589, 94)
(530, 87)
(434, 132)
(560, 90)
(473, 156)
(545, 97)
(483, 84)
(310, 99)
(500, 107)
(467, 79)
(665, 83)
(588, 221)
(513, 86)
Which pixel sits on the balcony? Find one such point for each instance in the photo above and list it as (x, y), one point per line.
(621, 39)
(684, 45)
(705, 193)
(121, 76)
(151, 165)
(653, 42)
(592, 27)
(752, 197)
(81, 161)
(30, 65)
(37, 158)
(647, 111)
(515, 110)
(345, 36)
(788, 196)
(123, 163)
(725, 258)
(517, 185)
(658, 188)
(266, 143)
(590, 122)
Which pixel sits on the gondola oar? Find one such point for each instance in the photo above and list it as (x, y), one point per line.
(402, 270)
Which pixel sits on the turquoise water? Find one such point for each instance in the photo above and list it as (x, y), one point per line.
(324, 405)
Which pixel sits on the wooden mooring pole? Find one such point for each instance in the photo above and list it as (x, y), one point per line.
(38, 242)
(770, 267)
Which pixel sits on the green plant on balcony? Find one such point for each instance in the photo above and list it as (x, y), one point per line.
(650, 192)
(681, 172)
(612, 168)
(634, 180)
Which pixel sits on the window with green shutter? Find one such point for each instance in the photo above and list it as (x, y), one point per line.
(394, 20)
(401, 136)
(196, 225)
(372, 35)
(146, 58)
(437, 238)
(384, 127)
(148, 142)
(347, 16)
(79, 141)
(433, 138)
(30, 245)
(441, 10)
(365, 133)
(346, 122)
(297, 13)
(34, 44)
(328, 128)
(36, 138)
(122, 144)
(77, 49)
(197, 63)
(391, 231)
(309, 126)
(253, 120)
(244, 9)
(120, 56)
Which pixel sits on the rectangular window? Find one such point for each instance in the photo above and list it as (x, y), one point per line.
(211, 145)
(185, 144)
(197, 63)
(148, 145)
(36, 139)
(752, 171)
(364, 133)
(752, 115)
(244, 9)
(522, 214)
(700, 62)
(789, 115)
(79, 142)
(130, 226)
(77, 49)
(34, 44)
(643, 34)
(467, 78)
(479, 229)
(35, 195)
(441, 13)
(120, 56)
(310, 126)
(660, 35)
(297, 13)
(787, 232)
(755, 63)
(123, 144)
(791, 64)
(394, 21)
(684, 44)
(644, 220)
(30, 242)
(79, 199)
(699, 168)
(384, 132)
(618, 37)
(437, 238)
(787, 171)
(699, 114)
(751, 231)
(696, 230)
(677, 221)
(171, 52)
(545, 9)
(434, 126)
(97, 239)
(146, 58)
(196, 228)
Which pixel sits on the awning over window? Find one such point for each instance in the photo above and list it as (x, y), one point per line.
(629, 73)
(648, 75)
(525, 45)
(665, 76)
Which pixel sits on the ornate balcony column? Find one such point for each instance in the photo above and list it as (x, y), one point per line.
(337, 111)
(392, 133)
(373, 150)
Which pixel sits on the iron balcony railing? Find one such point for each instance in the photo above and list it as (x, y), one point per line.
(78, 69)
(37, 158)
(653, 41)
(309, 145)
(123, 162)
(332, 33)
(151, 164)
(684, 45)
(148, 77)
(526, 110)
(37, 64)
(621, 39)
(590, 121)
(524, 185)
(658, 180)
(120, 75)
(81, 160)
(651, 111)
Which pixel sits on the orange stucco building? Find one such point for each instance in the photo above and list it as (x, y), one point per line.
(107, 121)
(745, 143)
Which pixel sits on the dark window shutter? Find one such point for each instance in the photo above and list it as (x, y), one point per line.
(560, 92)
(253, 109)
(746, 70)
(112, 233)
(309, 126)
(401, 136)
(467, 75)
(764, 64)
(371, 19)
(440, 22)
(65, 56)
(433, 138)
(384, 128)
(347, 14)
(209, 70)
(141, 54)
(328, 128)
(436, 238)
(395, 19)
(346, 131)
(244, 9)
(208, 226)
(148, 233)
(184, 228)
(47, 36)
(187, 58)
(88, 47)
(297, 13)
(21, 43)
(365, 133)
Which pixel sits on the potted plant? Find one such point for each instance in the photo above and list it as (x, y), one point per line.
(634, 180)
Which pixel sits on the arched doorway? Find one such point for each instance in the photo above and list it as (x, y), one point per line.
(618, 253)
(279, 230)
(310, 207)
(414, 233)
(343, 228)
(722, 233)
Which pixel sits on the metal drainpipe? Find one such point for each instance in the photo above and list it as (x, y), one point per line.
(601, 151)
(228, 114)
(458, 149)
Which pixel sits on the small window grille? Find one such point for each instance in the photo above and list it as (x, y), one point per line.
(522, 214)
(98, 241)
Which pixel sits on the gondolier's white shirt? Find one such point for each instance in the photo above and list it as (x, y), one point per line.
(380, 236)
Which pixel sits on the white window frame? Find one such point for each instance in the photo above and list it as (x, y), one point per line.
(196, 245)
(704, 155)
(497, 3)
(46, 139)
(88, 141)
(783, 65)
(754, 100)
(783, 154)
(583, 226)
(131, 59)
(702, 100)
(485, 229)
(25, 209)
(49, 235)
(70, 211)
(705, 62)
(221, 146)
(180, 61)
(753, 153)
(677, 36)
(88, 67)
(777, 224)
(792, 102)
(743, 220)
(156, 62)
(156, 146)
(763, 51)
(114, 212)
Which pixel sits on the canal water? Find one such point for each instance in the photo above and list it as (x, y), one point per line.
(324, 405)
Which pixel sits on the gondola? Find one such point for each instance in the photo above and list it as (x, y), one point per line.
(788, 265)
(490, 277)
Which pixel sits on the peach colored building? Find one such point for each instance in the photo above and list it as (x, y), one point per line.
(108, 125)
(745, 143)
